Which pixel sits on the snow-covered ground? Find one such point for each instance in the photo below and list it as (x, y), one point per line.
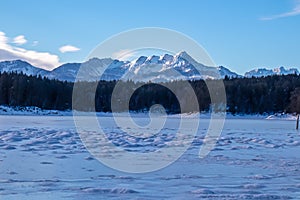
(42, 157)
(35, 111)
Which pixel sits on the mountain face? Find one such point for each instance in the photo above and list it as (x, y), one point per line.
(153, 68)
(269, 72)
(20, 66)
(226, 72)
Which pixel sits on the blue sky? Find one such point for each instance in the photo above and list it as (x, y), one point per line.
(238, 34)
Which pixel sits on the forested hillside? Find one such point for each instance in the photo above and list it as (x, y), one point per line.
(244, 95)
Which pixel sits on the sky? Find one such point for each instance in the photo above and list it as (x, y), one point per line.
(238, 34)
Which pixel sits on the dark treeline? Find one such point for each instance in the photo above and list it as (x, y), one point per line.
(267, 94)
(244, 95)
(23, 90)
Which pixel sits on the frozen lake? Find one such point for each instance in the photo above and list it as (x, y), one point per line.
(42, 157)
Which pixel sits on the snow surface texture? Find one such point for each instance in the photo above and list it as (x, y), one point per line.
(153, 68)
(42, 157)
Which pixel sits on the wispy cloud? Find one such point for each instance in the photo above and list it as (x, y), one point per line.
(35, 43)
(19, 40)
(295, 11)
(43, 60)
(68, 48)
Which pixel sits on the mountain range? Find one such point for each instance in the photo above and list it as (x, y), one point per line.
(153, 68)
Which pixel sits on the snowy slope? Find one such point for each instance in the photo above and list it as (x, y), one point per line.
(269, 72)
(20, 66)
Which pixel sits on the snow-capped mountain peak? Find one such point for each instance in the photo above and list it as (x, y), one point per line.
(141, 60)
(152, 60)
(166, 58)
(260, 72)
(185, 56)
(226, 72)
